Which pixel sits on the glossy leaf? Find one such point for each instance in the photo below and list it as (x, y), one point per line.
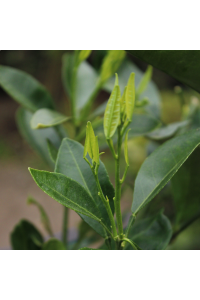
(186, 190)
(70, 162)
(86, 80)
(53, 244)
(45, 117)
(130, 97)
(26, 237)
(25, 89)
(53, 151)
(153, 233)
(161, 166)
(37, 138)
(111, 63)
(183, 65)
(151, 91)
(145, 80)
(43, 215)
(112, 113)
(167, 131)
(67, 192)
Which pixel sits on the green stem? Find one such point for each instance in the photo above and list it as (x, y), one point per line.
(131, 243)
(65, 224)
(118, 185)
(107, 205)
(130, 224)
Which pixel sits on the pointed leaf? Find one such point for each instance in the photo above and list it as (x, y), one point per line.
(25, 89)
(111, 63)
(37, 138)
(53, 244)
(112, 113)
(45, 117)
(70, 162)
(67, 192)
(145, 80)
(26, 237)
(130, 97)
(153, 233)
(161, 166)
(43, 215)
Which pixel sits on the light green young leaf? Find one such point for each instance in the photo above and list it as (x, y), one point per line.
(152, 233)
(112, 113)
(53, 244)
(130, 97)
(90, 141)
(70, 162)
(161, 166)
(67, 192)
(25, 89)
(111, 63)
(83, 55)
(145, 81)
(26, 237)
(123, 102)
(43, 215)
(45, 117)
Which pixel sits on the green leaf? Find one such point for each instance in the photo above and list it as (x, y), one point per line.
(145, 80)
(45, 117)
(86, 80)
(43, 215)
(53, 151)
(151, 92)
(67, 192)
(130, 96)
(37, 138)
(161, 166)
(111, 63)
(153, 233)
(53, 244)
(83, 54)
(186, 190)
(142, 124)
(86, 248)
(70, 162)
(183, 65)
(24, 89)
(112, 113)
(26, 237)
(167, 131)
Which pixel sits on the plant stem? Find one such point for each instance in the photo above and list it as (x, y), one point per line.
(131, 243)
(107, 205)
(118, 185)
(130, 224)
(65, 225)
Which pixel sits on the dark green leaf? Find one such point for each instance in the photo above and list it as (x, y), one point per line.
(180, 64)
(153, 233)
(53, 244)
(45, 117)
(67, 192)
(37, 138)
(53, 151)
(186, 189)
(26, 237)
(70, 162)
(85, 82)
(161, 166)
(142, 124)
(167, 131)
(24, 89)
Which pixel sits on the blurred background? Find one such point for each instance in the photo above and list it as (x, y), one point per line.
(16, 156)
